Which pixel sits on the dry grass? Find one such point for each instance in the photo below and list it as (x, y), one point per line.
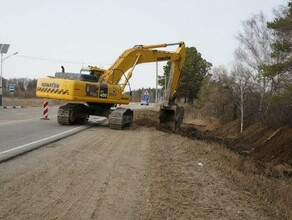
(265, 182)
(244, 172)
(31, 102)
(269, 183)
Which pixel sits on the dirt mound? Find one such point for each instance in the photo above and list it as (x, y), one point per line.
(261, 143)
(277, 147)
(265, 144)
(149, 118)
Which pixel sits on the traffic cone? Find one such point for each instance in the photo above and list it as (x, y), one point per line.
(45, 111)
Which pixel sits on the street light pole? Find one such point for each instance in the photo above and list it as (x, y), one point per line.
(156, 82)
(1, 80)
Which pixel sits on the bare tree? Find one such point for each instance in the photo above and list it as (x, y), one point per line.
(214, 98)
(255, 51)
(239, 84)
(241, 79)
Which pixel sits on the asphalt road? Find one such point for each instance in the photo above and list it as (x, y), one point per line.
(23, 129)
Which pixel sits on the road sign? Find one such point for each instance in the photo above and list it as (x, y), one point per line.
(11, 88)
(146, 97)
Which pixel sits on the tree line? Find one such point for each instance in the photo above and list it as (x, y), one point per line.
(258, 86)
(24, 87)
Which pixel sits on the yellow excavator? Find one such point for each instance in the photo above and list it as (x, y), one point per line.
(95, 91)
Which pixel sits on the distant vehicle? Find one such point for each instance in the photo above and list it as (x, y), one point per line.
(144, 102)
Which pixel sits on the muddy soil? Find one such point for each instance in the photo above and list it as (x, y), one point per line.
(137, 173)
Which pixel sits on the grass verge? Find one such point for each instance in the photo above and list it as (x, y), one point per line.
(272, 190)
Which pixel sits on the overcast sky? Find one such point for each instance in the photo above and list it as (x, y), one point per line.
(96, 32)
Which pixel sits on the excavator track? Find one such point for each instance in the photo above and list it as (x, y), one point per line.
(120, 118)
(72, 113)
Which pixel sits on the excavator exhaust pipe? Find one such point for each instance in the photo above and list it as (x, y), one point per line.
(171, 116)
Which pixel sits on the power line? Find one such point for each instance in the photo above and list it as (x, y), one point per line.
(54, 60)
(51, 60)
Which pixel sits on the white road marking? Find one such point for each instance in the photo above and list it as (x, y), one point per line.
(35, 142)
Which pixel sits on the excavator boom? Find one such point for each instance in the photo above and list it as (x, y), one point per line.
(142, 54)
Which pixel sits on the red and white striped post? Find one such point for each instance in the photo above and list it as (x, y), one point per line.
(46, 110)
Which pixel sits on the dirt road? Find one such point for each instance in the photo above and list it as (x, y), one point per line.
(139, 173)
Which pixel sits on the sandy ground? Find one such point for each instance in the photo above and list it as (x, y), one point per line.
(137, 173)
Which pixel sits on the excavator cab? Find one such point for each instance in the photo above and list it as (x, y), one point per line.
(92, 71)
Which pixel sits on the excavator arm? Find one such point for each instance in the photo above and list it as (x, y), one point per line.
(126, 63)
(170, 113)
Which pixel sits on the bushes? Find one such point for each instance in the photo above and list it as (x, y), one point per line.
(280, 109)
(216, 100)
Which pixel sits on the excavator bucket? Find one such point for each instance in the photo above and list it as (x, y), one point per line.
(171, 116)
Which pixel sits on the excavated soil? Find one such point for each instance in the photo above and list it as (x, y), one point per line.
(137, 173)
(262, 144)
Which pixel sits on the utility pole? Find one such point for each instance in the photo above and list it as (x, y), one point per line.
(156, 94)
(3, 50)
(1, 82)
